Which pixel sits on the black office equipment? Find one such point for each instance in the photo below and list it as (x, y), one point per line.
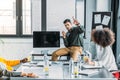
(44, 39)
(101, 19)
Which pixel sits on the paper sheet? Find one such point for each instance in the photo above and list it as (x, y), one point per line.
(97, 18)
(99, 27)
(106, 20)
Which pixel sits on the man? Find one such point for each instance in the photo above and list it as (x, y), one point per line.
(10, 63)
(5, 72)
(73, 40)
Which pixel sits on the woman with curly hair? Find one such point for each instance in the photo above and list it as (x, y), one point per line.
(102, 39)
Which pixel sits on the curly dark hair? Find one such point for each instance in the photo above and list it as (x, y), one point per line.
(103, 37)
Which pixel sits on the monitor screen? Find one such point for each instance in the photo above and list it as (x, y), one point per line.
(46, 39)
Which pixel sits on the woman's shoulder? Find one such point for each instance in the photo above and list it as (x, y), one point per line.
(92, 43)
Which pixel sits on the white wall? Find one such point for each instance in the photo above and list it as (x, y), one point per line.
(102, 5)
(19, 48)
(90, 7)
(15, 48)
(57, 12)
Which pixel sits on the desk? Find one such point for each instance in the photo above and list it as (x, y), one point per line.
(61, 71)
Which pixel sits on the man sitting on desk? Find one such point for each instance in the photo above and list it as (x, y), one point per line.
(10, 63)
(73, 40)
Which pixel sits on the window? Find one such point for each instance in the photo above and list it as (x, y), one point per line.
(7, 17)
(36, 17)
(15, 18)
(26, 13)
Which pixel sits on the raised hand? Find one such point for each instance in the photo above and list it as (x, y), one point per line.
(64, 34)
(75, 21)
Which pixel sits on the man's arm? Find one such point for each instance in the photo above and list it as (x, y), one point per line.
(17, 74)
(65, 39)
(11, 74)
(79, 27)
(14, 62)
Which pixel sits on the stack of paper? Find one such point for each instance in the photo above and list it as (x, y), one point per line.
(91, 67)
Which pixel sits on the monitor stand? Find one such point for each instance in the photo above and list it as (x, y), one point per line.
(44, 52)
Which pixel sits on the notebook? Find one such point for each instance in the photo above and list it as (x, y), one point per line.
(88, 72)
(91, 67)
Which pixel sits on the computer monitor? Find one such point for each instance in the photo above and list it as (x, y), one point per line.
(42, 39)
